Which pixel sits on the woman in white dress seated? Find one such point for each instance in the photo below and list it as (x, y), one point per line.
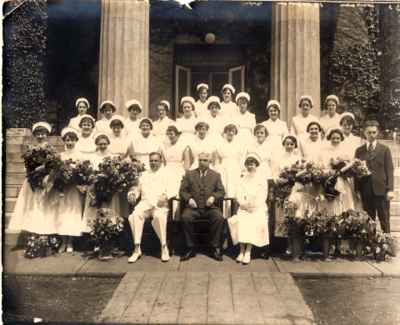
(177, 158)
(301, 121)
(350, 142)
(249, 227)
(107, 109)
(201, 106)
(69, 209)
(311, 147)
(331, 119)
(245, 121)
(187, 122)
(276, 127)
(214, 119)
(229, 109)
(85, 144)
(134, 108)
(119, 142)
(145, 143)
(163, 121)
(201, 143)
(82, 106)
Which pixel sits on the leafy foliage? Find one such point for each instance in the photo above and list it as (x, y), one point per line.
(25, 30)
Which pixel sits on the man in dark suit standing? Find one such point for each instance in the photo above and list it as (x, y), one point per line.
(201, 190)
(377, 189)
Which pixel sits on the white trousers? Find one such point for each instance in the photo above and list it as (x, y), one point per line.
(137, 218)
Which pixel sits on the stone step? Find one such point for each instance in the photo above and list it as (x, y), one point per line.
(395, 208)
(15, 178)
(395, 224)
(15, 167)
(11, 191)
(10, 204)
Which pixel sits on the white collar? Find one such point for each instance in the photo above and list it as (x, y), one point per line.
(374, 143)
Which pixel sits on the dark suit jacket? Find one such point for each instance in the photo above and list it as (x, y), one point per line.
(192, 186)
(381, 166)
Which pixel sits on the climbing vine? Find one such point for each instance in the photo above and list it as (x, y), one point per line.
(25, 29)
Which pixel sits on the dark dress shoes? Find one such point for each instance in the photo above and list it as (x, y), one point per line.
(188, 255)
(217, 254)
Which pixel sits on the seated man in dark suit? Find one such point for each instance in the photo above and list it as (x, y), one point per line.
(376, 190)
(201, 190)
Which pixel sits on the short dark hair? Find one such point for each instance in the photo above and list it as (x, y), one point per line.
(230, 127)
(251, 158)
(259, 127)
(337, 131)
(201, 124)
(146, 120)
(102, 136)
(173, 128)
(371, 123)
(116, 123)
(84, 119)
(71, 135)
(291, 137)
(314, 123)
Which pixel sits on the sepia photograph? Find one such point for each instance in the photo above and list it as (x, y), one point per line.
(201, 162)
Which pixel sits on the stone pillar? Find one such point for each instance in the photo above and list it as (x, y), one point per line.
(124, 53)
(295, 68)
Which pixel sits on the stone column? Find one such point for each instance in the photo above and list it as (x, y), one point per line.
(295, 68)
(124, 53)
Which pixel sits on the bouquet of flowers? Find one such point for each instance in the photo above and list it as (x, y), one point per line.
(63, 177)
(381, 246)
(316, 224)
(83, 175)
(41, 245)
(104, 230)
(39, 163)
(357, 168)
(114, 175)
(338, 163)
(284, 184)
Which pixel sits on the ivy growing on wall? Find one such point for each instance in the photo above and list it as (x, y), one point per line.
(25, 29)
(354, 72)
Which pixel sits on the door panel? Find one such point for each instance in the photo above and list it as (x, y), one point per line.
(182, 85)
(236, 77)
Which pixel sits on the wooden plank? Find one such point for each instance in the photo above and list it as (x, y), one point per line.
(166, 307)
(220, 300)
(141, 306)
(121, 298)
(245, 299)
(194, 300)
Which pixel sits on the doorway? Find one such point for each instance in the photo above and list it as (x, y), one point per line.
(214, 65)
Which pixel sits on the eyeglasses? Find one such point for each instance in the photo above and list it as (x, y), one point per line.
(154, 160)
(204, 160)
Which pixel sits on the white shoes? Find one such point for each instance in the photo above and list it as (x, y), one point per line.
(165, 254)
(70, 249)
(246, 257)
(135, 256)
(239, 258)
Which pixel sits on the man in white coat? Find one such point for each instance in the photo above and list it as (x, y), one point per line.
(152, 189)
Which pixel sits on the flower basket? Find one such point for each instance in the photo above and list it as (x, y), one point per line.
(104, 232)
